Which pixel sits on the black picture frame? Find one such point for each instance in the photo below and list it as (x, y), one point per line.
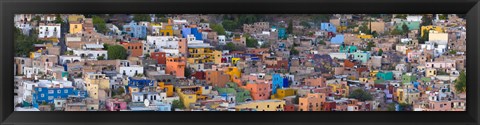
(10, 7)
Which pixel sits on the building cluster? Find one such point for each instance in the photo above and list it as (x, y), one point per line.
(179, 65)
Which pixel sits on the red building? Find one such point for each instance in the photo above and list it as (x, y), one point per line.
(159, 56)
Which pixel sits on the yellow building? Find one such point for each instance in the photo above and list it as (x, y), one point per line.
(166, 88)
(341, 28)
(95, 83)
(234, 72)
(364, 36)
(75, 17)
(217, 57)
(340, 88)
(262, 105)
(430, 72)
(188, 94)
(428, 28)
(282, 93)
(200, 55)
(100, 79)
(400, 95)
(373, 73)
(363, 80)
(167, 30)
(75, 27)
(235, 60)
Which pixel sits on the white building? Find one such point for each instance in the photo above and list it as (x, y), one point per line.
(338, 55)
(30, 71)
(49, 31)
(69, 59)
(91, 54)
(131, 70)
(414, 18)
(221, 39)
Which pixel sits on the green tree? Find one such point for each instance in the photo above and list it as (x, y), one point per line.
(178, 104)
(426, 20)
(58, 19)
(361, 95)
(23, 43)
(251, 42)
(116, 52)
(405, 107)
(100, 58)
(461, 83)
(396, 31)
(380, 52)
(452, 52)
(99, 24)
(401, 16)
(188, 72)
(442, 16)
(290, 27)
(230, 46)
(69, 52)
(147, 55)
(120, 90)
(218, 28)
(374, 34)
(318, 18)
(405, 28)
(364, 28)
(229, 25)
(141, 17)
(424, 38)
(105, 46)
(293, 51)
(370, 44)
(391, 107)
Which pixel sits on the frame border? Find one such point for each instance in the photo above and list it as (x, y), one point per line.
(9, 7)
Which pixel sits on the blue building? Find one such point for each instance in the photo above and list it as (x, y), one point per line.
(348, 49)
(140, 83)
(328, 27)
(46, 94)
(193, 31)
(135, 30)
(338, 39)
(278, 82)
(361, 56)
(282, 33)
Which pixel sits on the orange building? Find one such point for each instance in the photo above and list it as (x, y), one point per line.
(311, 102)
(315, 82)
(259, 91)
(217, 78)
(134, 48)
(176, 66)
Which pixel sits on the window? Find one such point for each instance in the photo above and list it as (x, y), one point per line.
(42, 95)
(66, 90)
(50, 92)
(50, 97)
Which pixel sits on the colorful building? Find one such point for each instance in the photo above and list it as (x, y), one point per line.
(217, 78)
(385, 75)
(311, 102)
(282, 93)
(278, 82)
(438, 29)
(48, 94)
(134, 48)
(175, 66)
(258, 91)
(262, 105)
(338, 39)
(160, 57)
(412, 25)
(134, 30)
(329, 27)
(282, 33)
(191, 31)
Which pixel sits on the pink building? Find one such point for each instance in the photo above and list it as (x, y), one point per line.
(315, 82)
(116, 104)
